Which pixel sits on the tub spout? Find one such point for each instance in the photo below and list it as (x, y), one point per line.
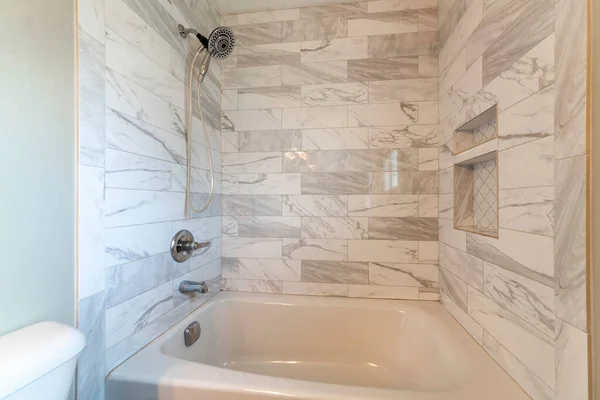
(193, 287)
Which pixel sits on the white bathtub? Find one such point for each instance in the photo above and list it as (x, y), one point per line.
(259, 346)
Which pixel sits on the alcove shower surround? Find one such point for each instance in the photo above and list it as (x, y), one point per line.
(336, 144)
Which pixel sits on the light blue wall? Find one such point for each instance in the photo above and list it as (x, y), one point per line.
(37, 162)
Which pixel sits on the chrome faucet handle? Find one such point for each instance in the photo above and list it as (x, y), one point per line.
(183, 246)
(193, 287)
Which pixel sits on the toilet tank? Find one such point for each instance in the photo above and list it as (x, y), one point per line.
(38, 362)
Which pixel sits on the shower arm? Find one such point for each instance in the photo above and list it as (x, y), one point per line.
(185, 32)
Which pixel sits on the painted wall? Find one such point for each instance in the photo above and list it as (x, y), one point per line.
(521, 296)
(133, 75)
(329, 141)
(37, 155)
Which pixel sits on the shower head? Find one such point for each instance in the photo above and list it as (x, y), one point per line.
(220, 42)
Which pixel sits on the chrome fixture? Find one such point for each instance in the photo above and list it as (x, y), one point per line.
(192, 333)
(183, 246)
(193, 287)
(220, 42)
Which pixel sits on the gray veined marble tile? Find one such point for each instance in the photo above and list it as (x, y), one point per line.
(248, 35)
(428, 19)
(429, 252)
(132, 243)
(130, 171)
(335, 272)
(512, 251)
(335, 138)
(428, 66)
(333, 94)
(401, 45)
(269, 183)
(134, 136)
(464, 319)
(455, 288)
(342, 10)
(251, 120)
(527, 210)
(315, 205)
(572, 354)
(269, 97)
(314, 73)
(251, 247)
(324, 29)
(399, 5)
(268, 16)
(131, 207)
(284, 227)
(260, 205)
(536, 156)
(351, 160)
(335, 183)
(463, 265)
(428, 160)
(133, 315)
(388, 114)
(446, 206)
(398, 251)
(268, 54)
(230, 267)
(315, 117)
(422, 182)
(315, 249)
(468, 85)
(246, 285)
(92, 66)
(446, 180)
(229, 142)
(403, 90)
(274, 270)
(570, 241)
(383, 206)
(316, 289)
(280, 140)
(229, 226)
(335, 228)
(91, 367)
(393, 274)
(334, 49)
(251, 162)
(263, 76)
(383, 69)
(383, 292)
(91, 18)
(527, 299)
(393, 22)
(409, 228)
(404, 136)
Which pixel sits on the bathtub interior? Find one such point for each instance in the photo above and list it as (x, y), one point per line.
(384, 348)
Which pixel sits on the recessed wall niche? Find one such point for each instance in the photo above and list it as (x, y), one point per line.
(476, 175)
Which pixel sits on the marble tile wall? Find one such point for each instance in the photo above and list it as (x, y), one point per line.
(521, 296)
(132, 171)
(329, 152)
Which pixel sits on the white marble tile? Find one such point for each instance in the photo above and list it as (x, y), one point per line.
(452, 237)
(383, 114)
(244, 285)
(383, 206)
(133, 315)
(403, 90)
(251, 247)
(315, 289)
(524, 377)
(251, 120)
(203, 229)
(383, 23)
(251, 162)
(268, 54)
(530, 300)
(315, 117)
(229, 142)
(399, 5)
(269, 97)
(314, 73)
(131, 243)
(269, 183)
(315, 205)
(91, 18)
(571, 363)
(333, 94)
(465, 266)
(428, 112)
(383, 251)
(250, 77)
(131, 207)
(469, 84)
(398, 137)
(284, 227)
(429, 252)
(91, 366)
(315, 249)
(229, 99)
(453, 72)
(428, 160)
(428, 206)
(326, 28)
(412, 275)
(528, 165)
(334, 228)
(455, 288)
(530, 346)
(383, 292)
(527, 210)
(334, 49)
(334, 139)
(273, 270)
(91, 231)
(455, 43)
(268, 16)
(446, 206)
(229, 227)
(468, 323)
(131, 171)
(258, 204)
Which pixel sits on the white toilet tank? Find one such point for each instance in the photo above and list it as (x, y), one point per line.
(38, 362)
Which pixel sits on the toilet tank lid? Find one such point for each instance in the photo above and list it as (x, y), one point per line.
(31, 352)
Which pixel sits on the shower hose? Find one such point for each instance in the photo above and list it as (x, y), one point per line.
(188, 126)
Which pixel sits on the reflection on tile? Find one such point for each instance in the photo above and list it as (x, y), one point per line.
(422, 182)
(335, 272)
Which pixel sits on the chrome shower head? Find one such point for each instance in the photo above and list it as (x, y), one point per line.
(221, 42)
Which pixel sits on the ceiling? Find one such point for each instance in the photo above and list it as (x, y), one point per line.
(242, 6)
